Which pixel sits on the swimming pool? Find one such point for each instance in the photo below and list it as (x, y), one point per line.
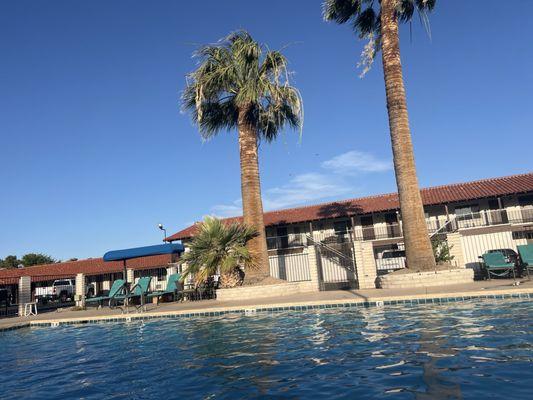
(472, 349)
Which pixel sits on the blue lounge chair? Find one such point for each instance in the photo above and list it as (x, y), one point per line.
(526, 255)
(172, 289)
(118, 287)
(495, 264)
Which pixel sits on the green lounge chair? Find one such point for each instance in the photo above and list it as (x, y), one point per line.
(496, 265)
(140, 290)
(116, 289)
(172, 288)
(526, 255)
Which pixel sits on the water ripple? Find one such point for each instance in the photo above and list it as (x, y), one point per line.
(472, 350)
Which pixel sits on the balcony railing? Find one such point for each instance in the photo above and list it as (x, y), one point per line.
(394, 230)
(286, 242)
(391, 231)
(494, 217)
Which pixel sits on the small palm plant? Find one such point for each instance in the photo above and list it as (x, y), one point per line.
(219, 248)
(239, 84)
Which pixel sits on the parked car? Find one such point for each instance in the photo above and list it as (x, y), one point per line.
(62, 290)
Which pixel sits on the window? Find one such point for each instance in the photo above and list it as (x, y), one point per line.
(466, 215)
(467, 210)
(342, 227)
(526, 201)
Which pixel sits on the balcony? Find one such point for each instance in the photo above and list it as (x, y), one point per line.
(523, 215)
(286, 242)
(382, 231)
(394, 230)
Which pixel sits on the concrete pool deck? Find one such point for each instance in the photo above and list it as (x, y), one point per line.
(496, 288)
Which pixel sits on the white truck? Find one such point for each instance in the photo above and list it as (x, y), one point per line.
(62, 290)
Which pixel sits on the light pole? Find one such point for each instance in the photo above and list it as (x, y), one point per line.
(160, 226)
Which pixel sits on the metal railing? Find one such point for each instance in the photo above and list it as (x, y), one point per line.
(494, 217)
(286, 242)
(290, 267)
(394, 230)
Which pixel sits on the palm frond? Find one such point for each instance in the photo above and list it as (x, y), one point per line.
(365, 18)
(218, 248)
(237, 74)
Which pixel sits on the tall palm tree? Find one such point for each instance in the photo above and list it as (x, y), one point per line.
(240, 84)
(219, 247)
(378, 21)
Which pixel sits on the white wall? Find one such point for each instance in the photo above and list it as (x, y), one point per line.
(475, 245)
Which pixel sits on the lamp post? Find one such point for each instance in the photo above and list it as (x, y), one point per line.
(161, 227)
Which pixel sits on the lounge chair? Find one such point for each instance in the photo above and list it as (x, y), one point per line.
(117, 289)
(139, 290)
(172, 289)
(526, 255)
(496, 265)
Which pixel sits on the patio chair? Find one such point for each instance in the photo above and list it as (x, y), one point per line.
(526, 255)
(139, 290)
(171, 289)
(496, 265)
(116, 289)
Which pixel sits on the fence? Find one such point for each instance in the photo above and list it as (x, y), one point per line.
(384, 265)
(290, 267)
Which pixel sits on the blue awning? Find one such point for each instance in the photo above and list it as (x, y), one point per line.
(127, 254)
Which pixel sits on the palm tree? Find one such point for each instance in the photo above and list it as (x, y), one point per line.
(378, 21)
(219, 247)
(239, 84)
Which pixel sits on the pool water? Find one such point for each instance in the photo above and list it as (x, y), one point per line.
(470, 350)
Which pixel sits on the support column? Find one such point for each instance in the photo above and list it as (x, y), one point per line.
(80, 290)
(456, 249)
(365, 264)
(130, 276)
(314, 270)
(24, 293)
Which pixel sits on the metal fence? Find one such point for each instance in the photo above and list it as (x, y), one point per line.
(290, 267)
(335, 256)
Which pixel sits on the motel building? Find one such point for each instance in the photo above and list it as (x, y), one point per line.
(337, 245)
(349, 243)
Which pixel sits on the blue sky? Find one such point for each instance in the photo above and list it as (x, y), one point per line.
(95, 152)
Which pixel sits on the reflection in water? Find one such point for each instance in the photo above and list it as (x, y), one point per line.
(438, 384)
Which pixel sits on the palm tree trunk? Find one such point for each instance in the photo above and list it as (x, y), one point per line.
(252, 204)
(417, 244)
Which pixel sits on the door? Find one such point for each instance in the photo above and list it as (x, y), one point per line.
(497, 215)
(283, 238)
(393, 228)
(526, 208)
(367, 223)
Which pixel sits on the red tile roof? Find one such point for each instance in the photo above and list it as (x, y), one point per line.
(491, 187)
(90, 266)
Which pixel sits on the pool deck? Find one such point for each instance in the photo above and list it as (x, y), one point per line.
(496, 288)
